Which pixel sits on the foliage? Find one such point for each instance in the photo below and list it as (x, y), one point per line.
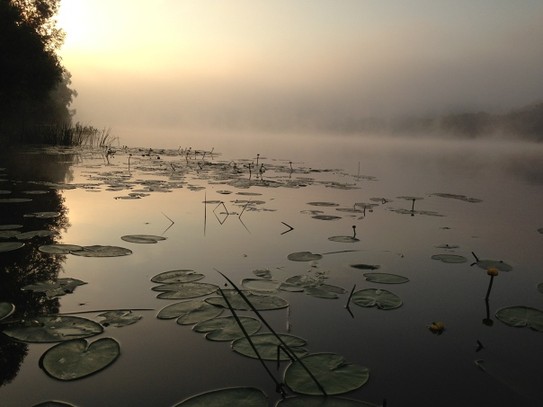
(34, 86)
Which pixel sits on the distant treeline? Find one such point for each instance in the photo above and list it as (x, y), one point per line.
(523, 123)
(35, 93)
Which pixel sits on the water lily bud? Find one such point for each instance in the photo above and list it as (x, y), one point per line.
(492, 271)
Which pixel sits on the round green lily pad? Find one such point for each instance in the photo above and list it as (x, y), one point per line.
(343, 239)
(385, 278)
(119, 318)
(267, 345)
(33, 233)
(53, 403)
(142, 239)
(376, 297)
(56, 288)
(102, 251)
(75, 359)
(235, 396)
(521, 316)
(363, 266)
(177, 276)
(59, 248)
(449, 258)
(316, 401)
(326, 204)
(260, 284)
(326, 291)
(14, 200)
(10, 227)
(326, 217)
(6, 309)
(304, 256)
(190, 312)
(180, 291)
(260, 302)
(227, 328)
(497, 264)
(10, 246)
(42, 215)
(54, 328)
(8, 234)
(331, 370)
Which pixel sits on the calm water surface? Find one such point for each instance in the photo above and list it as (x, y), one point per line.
(162, 363)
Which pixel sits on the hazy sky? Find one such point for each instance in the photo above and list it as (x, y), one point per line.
(178, 63)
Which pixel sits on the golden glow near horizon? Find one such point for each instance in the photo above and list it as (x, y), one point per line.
(370, 57)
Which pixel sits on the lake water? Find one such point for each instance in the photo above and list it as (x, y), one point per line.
(473, 198)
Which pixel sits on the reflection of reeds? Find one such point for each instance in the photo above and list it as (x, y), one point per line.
(283, 345)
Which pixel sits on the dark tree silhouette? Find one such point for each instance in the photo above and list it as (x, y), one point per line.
(34, 86)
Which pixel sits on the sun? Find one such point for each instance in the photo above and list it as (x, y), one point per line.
(72, 18)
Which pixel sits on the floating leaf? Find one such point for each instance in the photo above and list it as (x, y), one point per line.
(53, 403)
(10, 227)
(344, 239)
(180, 291)
(119, 318)
(177, 276)
(331, 370)
(142, 239)
(459, 197)
(267, 344)
(326, 217)
(190, 312)
(56, 288)
(262, 273)
(304, 256)
(235, 396)
(521, 316)
(316, 401)
(6, 309)
(14, 200)
(33, 233)
(324, 291)
(227, 328)
(362, 266)
(260, 284)
(59, 248)
(77, 358)
(54, 328)
(540, 287)
(102, 251)
(385, 278)
(8, 234)
(42, 215)
(497, 264)
(449, 258)
(10, 246)
(376, 297)
(260, 302)
(327, 204)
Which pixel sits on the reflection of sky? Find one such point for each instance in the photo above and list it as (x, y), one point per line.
(158, 355)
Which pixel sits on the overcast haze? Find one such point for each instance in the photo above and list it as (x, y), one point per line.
(287, 63)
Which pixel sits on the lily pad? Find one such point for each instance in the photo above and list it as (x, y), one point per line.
(59, 248)
(260, 302)
(316, 401)
(14, 200)
(235, 396)
(6, 309)
(33, 233)
(343, 239)
(325, 291)
(119, 318)
(304, 256)
(102, 251)
(77, 358)
(53, 403)
(142, 239)
(8, 234)
(260, 284)
(326, 217)
(331, 370)
(376, 297)
(540, 287)
(177, 276)
(385, 278)
(56, 288)
(10, 246)
(267, 344)
(262, 273)
(227, 328)
(190, 312)
(363, 266)
(521, 316)
(54, 328)
(10, 227)
(449, 258)
(497, 264)
(180, 291)
(326, 204)
(42, 215)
